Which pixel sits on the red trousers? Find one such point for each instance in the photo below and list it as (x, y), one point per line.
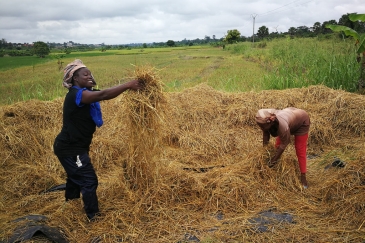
(300, 143)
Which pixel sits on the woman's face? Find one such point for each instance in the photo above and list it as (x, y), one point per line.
(83, 78)
(270, 125)
(266, 126)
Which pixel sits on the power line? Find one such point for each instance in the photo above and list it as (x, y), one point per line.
(268, 12)
(280, 7)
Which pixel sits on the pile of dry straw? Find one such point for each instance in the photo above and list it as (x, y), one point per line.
(191, 164)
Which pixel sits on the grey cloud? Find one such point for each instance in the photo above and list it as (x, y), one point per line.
(119, 22)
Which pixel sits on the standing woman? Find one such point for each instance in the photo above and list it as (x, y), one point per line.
(281, 124)
(81, 115)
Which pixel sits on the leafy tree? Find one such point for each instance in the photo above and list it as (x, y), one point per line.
(144, 45)
(325, 30)
(243, 38)
(263, 32)
(207, 39)
(303, 30)
(355, 25)
(3, 43)
(292, 30)
(67, 50)
(232, 36)
(41, 49)
(345, 21)
(170, 43)
(275, 35)
(317, 28)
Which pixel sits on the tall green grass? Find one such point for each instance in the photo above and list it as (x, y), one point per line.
(277, 64)
(306, 62)
(296, 63)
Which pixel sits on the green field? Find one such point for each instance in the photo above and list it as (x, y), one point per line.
(276, 64)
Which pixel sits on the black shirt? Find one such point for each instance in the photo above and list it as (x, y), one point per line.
(77, 130)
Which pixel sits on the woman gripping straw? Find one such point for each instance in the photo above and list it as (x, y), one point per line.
(81, 116)
(281, 124)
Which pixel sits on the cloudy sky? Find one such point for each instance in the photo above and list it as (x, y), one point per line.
(146, 21)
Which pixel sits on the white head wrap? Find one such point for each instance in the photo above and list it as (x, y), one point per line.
(263, 115)
(69, 71)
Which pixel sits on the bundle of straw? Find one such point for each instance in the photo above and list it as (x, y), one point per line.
(145, 116)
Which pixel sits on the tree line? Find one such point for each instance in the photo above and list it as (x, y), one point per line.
(41, 49)
(318, 29)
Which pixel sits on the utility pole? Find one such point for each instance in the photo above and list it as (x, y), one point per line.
(253, 28)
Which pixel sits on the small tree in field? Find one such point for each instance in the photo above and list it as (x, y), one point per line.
(360, 42)
(232, 36)
(170, 43)
(41, 49)
(67, 50)
(263, 32)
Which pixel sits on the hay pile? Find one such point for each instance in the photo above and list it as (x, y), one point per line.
(144, 111)
(190, 165)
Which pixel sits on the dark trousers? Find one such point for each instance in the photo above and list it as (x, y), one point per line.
(81, 178)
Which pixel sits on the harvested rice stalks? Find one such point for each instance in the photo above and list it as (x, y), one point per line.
(145, 117)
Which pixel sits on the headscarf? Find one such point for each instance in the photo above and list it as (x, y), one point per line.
(69, 71)
(263, 115)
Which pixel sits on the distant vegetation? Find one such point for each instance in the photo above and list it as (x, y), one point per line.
(273, 64)
(318, 30)
(231, 64)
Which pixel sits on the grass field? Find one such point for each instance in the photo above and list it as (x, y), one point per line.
(278, 64)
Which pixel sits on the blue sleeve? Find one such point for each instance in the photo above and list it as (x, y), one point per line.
(79, 97)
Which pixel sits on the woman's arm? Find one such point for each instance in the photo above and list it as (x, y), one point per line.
(277, 155)
(265, 138)
(110, 93)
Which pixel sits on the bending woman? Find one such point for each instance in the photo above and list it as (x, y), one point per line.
(281, 124)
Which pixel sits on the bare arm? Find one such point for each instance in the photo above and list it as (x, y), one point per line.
(277, 155)
(265, 138)
(110, 93)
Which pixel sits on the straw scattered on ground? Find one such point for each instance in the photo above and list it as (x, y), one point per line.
(174, 166)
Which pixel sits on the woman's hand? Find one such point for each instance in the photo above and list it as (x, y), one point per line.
(135, 84)
(272, 162)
